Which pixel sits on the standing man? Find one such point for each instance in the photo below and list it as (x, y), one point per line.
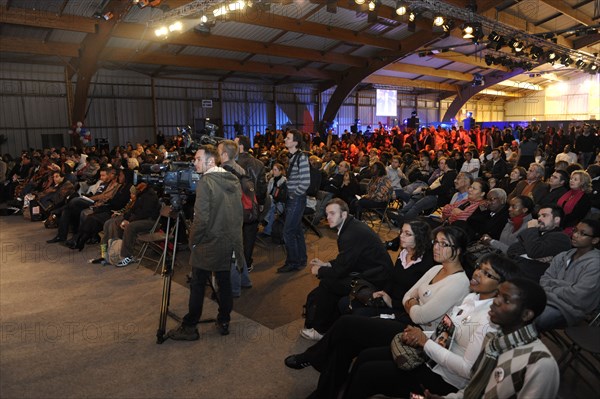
(228, 151)
(216, 233)
(298, 181)
(256, 171)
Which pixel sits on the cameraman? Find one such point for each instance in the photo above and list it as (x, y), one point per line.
(215, 234)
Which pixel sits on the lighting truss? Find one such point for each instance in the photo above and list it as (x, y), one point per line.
(466, 14)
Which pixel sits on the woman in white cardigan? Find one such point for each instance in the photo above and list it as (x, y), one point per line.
(436, 293)
(375, 371)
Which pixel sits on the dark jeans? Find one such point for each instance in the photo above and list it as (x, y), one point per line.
(346, 339)
(249, 232)
(70, 216)
(293, 234)
(197, 287)
(375, 372)
(365, 203)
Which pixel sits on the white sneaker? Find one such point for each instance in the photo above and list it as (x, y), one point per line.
(311, 333)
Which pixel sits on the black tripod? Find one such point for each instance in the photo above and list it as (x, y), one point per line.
(167, 274)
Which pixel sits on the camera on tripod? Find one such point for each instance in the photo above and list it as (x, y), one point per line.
(173, 177)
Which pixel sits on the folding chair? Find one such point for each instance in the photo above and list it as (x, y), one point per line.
(378, 214)
(155, 239)
(582, 341)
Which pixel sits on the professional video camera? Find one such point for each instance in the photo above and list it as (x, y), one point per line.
(192, 141)
(174, 177)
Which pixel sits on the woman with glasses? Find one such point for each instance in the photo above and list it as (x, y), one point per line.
(414, 259)
(449, 366)
(440, 289)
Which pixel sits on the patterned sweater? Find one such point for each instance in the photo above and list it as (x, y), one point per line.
(526, 372)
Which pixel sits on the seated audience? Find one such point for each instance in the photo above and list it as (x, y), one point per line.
(541, 241)
(360, 254)
(449, 366)
(514, 363)
(440, 289)
(519, 212)
(379, 191)
(461, 210)
(509, 182)
(438, 194)
(572, 282)
(576, 202)
(532, 186)
(489, 218)
(558, 186)
(413, 261)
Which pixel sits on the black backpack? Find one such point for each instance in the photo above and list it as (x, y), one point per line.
(249, 202)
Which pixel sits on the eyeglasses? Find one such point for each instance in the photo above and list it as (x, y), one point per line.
(486, 273)
(581, 233)
(442, 244)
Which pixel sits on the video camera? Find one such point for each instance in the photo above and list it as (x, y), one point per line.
(174, 177)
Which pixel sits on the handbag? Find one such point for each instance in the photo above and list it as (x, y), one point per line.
(406, 357)
(362, 291)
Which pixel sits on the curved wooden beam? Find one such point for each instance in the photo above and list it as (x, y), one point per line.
(91, 48)
(469, 91)
(351, 78)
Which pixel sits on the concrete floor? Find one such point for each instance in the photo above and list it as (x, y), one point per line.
(69, 329)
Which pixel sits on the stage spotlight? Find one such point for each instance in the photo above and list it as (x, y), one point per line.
(489, 60)
(494, 37)
(468, 30)
(359, 2)
(372, 5)
(593, 69)
(217, 12)
(580, 64)
(412, 17)
(439, 21)
(518, 46)
(176, 27)
(536, 52)
(401, 7)
(449, 25)
(162, 31)
(566, 60)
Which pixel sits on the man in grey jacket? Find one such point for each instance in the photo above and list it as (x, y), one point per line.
(216, 233)
(572, 282)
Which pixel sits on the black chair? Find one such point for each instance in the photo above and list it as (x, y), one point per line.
(583, 346)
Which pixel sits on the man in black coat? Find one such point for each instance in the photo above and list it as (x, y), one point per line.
(541, 241)
(256, 170)
(360, 252)
(497, 166)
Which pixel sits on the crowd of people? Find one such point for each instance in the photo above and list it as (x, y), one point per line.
(499, 234)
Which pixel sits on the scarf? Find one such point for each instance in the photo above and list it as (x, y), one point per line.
(517, 221)
(488, 358)
(569, 199)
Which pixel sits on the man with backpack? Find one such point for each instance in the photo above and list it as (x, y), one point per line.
(298, 181)
(256, 171)
(227, 151)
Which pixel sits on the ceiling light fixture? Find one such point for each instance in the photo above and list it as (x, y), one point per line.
(401, 7)
(439, 20)
(359, 2)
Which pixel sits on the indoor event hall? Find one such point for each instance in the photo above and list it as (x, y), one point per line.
(299, 199)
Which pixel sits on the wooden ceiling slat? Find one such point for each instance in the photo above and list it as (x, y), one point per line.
(190, 38)
(42, 19)
(189, 61)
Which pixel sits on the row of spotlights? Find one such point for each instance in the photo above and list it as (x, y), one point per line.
(164, 30)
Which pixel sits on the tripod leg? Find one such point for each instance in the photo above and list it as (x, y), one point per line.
(167, 272)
